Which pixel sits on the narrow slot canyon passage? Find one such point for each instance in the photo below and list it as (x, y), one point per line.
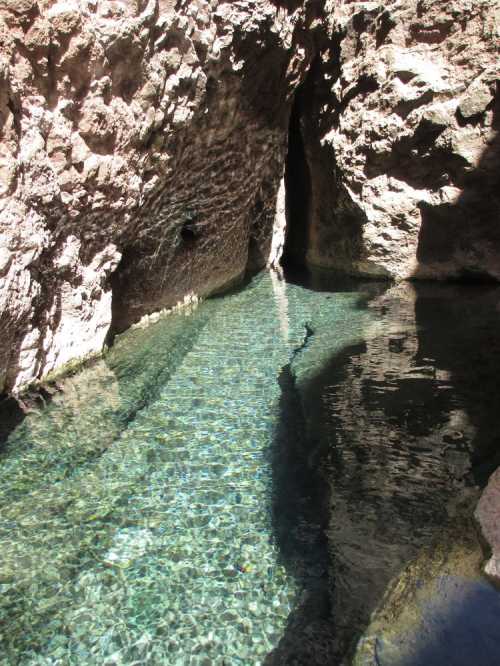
(254, 481)
(249, 409)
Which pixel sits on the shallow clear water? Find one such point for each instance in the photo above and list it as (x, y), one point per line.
(237, 484)
(136, 507)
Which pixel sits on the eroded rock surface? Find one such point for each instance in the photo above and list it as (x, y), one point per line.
(400, 129)
(142, 145)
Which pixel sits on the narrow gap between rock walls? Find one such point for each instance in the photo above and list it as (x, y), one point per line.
(298, 187)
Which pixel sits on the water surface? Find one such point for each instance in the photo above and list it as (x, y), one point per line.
(240, 483)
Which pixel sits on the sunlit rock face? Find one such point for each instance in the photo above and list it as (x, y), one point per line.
(142, 145)
(400, 124)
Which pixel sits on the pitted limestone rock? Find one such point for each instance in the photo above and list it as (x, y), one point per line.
(405, 112)
(143, 141)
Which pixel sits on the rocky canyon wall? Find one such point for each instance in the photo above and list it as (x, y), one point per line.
(142, 146)
(399, 122)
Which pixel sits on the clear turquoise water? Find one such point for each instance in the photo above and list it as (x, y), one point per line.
(239, 484)
(137, 517)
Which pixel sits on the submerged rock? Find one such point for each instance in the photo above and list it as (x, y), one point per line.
(488, 516)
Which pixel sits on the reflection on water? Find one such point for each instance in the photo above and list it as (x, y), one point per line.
(404, 424)
(281, 300)
(240, 484)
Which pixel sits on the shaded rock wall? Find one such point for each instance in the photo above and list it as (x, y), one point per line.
(400, 128)
(142, 145)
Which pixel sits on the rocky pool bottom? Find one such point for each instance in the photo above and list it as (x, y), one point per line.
(283, 475)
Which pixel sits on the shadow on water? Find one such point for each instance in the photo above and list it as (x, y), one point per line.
(300, 518)
(301, 491)
(376, 454)
(11, 415)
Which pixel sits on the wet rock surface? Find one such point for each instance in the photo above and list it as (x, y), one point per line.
(440, 610)
(488, 516)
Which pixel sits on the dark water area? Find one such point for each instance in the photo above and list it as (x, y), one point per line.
(403, 429)
(283, 475)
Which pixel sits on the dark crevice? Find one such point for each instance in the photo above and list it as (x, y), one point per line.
(290, 5)
(385, 23)
(190, 231)
(119, 281)
(324, 224)
(298, 188)
(364, 85)
(16, 115)
(475, 119)
(404, 108)
(11, 415)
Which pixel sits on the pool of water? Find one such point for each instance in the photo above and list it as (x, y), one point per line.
(239, 483)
